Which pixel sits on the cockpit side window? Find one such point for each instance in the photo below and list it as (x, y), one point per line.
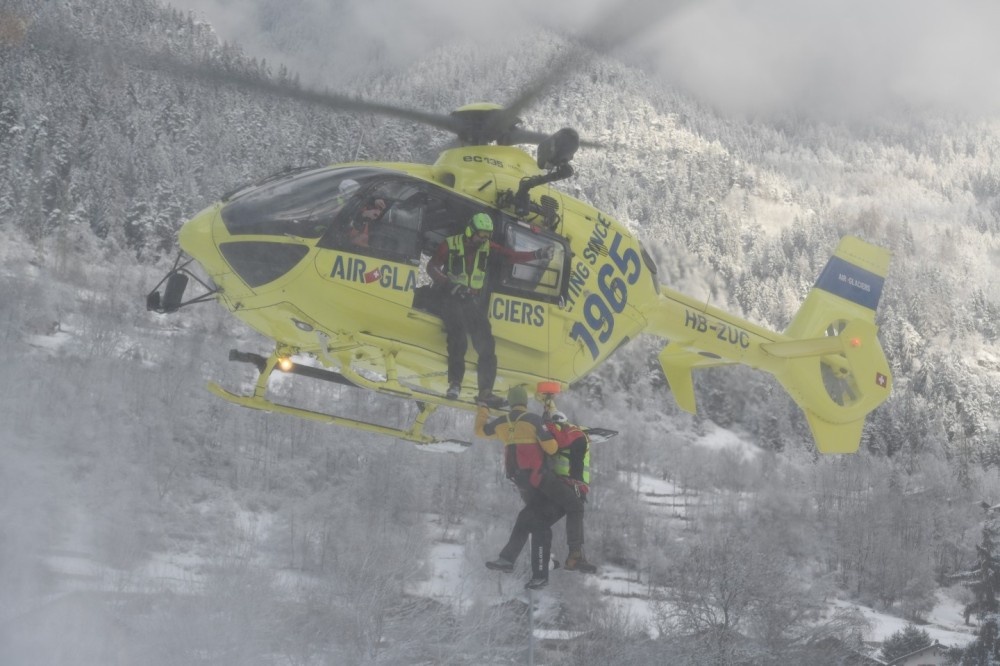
(303, 204)
(382, 220)
(535, 279)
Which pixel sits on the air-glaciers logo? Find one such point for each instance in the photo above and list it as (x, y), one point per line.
(881, 380)
(386, 276)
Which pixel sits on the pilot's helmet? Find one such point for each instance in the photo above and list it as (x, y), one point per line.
(348, 186)
(480, 222)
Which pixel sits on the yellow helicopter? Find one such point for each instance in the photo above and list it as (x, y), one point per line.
(281, 255)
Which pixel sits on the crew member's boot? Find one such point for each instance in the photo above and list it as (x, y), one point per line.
(577, 562)
(501, 565)
(489, 399)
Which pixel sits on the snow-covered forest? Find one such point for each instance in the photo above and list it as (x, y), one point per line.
(144, 521)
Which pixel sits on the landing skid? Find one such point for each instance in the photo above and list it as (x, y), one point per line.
(413, 434)
(427, 403)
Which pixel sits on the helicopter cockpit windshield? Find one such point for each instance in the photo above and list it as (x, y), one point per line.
(302, 204)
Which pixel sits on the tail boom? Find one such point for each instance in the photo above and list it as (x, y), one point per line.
(829, 359)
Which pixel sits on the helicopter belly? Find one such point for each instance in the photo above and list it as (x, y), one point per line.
(283, 322)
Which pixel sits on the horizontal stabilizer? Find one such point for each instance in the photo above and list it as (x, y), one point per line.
(804, 348)
(678, 364)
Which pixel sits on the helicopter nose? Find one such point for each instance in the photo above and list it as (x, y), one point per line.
(196, 238)
(239, 266)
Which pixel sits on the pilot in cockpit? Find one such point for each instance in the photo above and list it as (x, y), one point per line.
(371, 211)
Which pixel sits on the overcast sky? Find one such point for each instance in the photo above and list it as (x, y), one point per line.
(845, 57)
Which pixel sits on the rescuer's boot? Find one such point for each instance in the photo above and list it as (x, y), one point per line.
(491, 400)
(536, 583)
(501, 565)
(577, 562)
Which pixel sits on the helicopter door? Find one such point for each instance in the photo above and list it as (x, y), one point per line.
(443, 215)
(524, 294)
(538, 280)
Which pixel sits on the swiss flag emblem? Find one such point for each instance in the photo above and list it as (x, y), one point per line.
(373, 275)
(881, 379)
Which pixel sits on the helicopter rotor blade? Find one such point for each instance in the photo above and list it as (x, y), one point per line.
(208, 72)
(620, 23)
(519, 135)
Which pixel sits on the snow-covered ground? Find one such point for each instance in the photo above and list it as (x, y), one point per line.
(944, 623)
(451, 569)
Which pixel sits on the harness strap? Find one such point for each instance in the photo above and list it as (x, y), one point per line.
(511, 425)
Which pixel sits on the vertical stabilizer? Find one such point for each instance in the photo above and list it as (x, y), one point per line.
(847, 375)
(849, 287)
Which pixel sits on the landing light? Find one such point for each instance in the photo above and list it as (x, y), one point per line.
(285, 364)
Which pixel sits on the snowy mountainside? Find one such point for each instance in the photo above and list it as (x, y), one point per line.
(119, 468)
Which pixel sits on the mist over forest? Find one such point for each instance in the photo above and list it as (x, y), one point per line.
(142, 520)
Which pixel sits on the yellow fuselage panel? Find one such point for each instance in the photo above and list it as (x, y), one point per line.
(609, 287)
(198, 239)
(365, 294)
(508, 162)
(346, 300)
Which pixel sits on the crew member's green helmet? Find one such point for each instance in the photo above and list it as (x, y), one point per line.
(517, 395)
(479, 222)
